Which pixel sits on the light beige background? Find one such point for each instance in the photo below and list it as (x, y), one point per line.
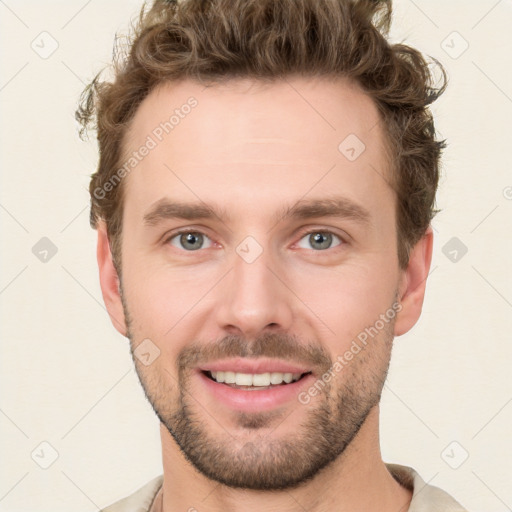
(67, 376)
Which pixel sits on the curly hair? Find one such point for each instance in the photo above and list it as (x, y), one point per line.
(213, 41)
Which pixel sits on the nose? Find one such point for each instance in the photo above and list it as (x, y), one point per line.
(254, 298)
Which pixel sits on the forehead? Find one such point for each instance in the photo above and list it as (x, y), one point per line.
(317, 110)
(273, 140)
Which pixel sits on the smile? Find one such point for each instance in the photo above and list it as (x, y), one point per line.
(254, 381)
(250, 385)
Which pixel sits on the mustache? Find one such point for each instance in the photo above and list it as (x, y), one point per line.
(269, 345)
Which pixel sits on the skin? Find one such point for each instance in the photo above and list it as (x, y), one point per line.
(250, 149)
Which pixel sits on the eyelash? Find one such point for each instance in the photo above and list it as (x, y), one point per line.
(301, 236)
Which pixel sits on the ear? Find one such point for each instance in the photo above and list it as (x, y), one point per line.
(109, 281)
(413, 282)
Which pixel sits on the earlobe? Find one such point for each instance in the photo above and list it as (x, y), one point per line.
(109, 281)
(413, 283)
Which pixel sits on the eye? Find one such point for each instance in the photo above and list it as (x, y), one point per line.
(319, 239)
(189, 240)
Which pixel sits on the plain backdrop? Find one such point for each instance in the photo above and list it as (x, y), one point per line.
(70, 399)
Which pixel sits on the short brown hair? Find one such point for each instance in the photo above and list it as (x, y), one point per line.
(218, 40)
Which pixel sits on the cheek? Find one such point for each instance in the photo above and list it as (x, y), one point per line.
(347, 299)
(157, 313)
(339, 300)
(160, 299)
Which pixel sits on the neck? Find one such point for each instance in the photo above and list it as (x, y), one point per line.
(357, 481)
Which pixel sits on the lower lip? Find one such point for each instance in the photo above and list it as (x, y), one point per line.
(255, 400)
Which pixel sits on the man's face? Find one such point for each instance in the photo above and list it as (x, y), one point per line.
(252, 291)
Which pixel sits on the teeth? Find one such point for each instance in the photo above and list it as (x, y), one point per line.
(261, 379)
(243, 379)
(229, 377)
(255, 379)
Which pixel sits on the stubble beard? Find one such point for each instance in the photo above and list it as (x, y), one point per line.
(249, 458)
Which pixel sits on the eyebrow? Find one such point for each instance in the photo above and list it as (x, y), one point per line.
(342, 207)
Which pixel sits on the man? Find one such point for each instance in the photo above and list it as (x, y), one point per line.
(263, 201)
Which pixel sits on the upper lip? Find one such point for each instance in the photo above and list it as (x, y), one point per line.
(244, 365)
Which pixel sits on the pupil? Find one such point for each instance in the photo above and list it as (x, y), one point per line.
(324, 240)
(191, 238)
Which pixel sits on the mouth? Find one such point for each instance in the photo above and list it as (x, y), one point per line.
(254, 385)
(254, 381)
(254, 392)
